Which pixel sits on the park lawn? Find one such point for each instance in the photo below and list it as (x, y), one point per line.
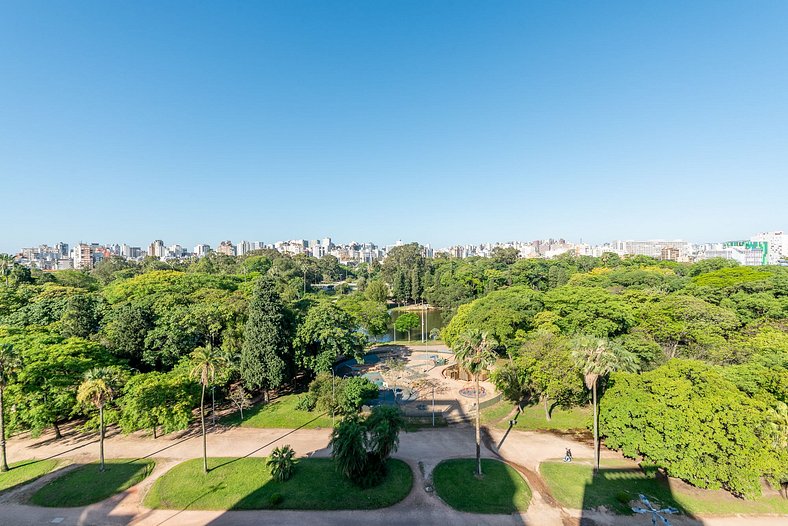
(497, 413)
(280, 413)
(532, 419)
(570, 484)
(26, 471)
(246, 483)
(87, 485)
(502, 489)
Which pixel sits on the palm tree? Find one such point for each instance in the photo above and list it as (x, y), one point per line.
(7, 262)
(598, 357)
(10, 361)
(98, 388)
(475, 352)
(206, 363)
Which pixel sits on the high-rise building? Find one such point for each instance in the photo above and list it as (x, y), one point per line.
(227, 248)
(776, 245)
(156, 249)
(82, 257)
(202, 250)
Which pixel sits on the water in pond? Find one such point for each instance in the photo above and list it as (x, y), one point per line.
(434, 321)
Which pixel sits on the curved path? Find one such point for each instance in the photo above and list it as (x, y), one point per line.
(422, 450)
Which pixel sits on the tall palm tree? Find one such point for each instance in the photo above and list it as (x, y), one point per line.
(475, 352)
(207, 362)
(598, 357)
(10, 361)
(98, 388)
(7, 262)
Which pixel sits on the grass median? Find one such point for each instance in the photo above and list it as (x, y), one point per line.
(246, 483)
(279, 413)
(501, 490)
(24, 472)
(87, 485)
(619, 483)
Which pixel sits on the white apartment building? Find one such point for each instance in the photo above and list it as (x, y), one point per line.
(777, 245)
(653, 248)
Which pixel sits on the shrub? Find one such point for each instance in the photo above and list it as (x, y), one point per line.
(281, 463)
(275, 500)
(306, 402)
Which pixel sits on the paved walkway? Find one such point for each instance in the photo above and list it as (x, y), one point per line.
(422, 450)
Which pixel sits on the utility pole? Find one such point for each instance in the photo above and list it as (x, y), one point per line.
(433, 406)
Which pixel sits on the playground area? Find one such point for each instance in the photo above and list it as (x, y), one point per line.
(418, 378)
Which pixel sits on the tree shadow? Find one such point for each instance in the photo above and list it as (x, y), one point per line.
(617, 490)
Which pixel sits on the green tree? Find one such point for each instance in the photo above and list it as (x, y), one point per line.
(7, 263)
(377, 291)
(81, 317)
(687, 418)
(156, 399)
(406, 322)
(98, 389)
(598, 357)
(127, 329)
(266, 354)
(361, 447)
(327, 333)
(206, 364)
(475, 352)
(10, 362)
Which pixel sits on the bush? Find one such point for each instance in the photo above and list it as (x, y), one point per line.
(361, 447)
(281, 463)
(275, 499)
(306, 402)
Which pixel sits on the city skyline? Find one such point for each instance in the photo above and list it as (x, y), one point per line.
(444, 122)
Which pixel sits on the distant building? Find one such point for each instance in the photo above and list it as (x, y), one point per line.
(156, 249)
(227, 248)
(776, 245)
(202, 250)
(82, 257)
(653, 248)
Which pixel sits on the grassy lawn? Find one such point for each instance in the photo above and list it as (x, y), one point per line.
(279, 413)
(532, 419)
(496, 413)
(246, 483)
(501, 490)
(24, 472)
(617, 483)
(86, 485)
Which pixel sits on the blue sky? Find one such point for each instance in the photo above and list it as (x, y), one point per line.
(442, 122)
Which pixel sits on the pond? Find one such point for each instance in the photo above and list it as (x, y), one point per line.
(434, 321)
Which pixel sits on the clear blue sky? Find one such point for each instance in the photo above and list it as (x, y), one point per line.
(441, 122)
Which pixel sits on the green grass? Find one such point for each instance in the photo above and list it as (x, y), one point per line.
(501, 490)
(24, 472)
(279, 413)
(532, 419)
(496, 413)
(246, 483)
(86, 485)
(571, 484)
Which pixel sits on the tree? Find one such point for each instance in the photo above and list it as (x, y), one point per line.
(327, 333)
(10, 362)
(281, 463)
(156, 399)
(361, 447)
(685, 417)
(406, 322)
(475, 352)
(377, 291)
(7, 263)
(98, 389)
(266, 354)
(206, 364)
(598, 357)
(81, 317)
(240, 397)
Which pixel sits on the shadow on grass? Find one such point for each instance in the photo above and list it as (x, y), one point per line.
(85, 484)
(501, 489)
(618, 490)
(270, 443)
(26, 472)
